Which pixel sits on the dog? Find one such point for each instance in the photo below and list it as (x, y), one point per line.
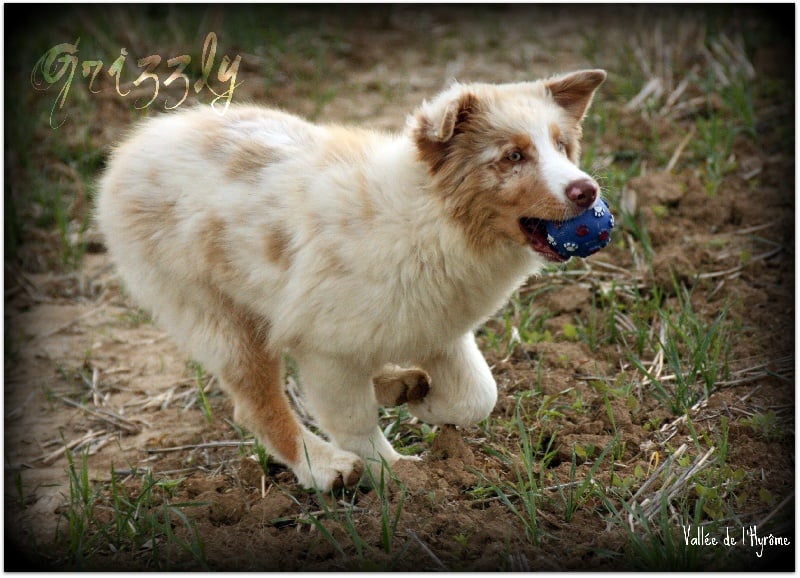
(370, 258)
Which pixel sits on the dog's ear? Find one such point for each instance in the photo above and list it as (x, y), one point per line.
(442, 123)
(574, 91)
(434, 124)
(439, 120)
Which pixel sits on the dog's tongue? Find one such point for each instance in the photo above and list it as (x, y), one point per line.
(536, 233)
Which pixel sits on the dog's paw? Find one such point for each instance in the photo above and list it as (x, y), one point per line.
(421, 388)
(396, 385)
(326, 467)
(415, 386)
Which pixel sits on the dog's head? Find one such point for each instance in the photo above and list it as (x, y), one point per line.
(502, 157)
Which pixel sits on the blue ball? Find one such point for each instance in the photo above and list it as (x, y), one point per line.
(583, 235)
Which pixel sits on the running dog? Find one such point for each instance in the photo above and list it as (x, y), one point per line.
(370, 258)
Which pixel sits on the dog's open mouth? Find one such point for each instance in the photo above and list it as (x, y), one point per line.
(536, 233)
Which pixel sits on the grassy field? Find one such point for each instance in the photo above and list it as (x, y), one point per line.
(646, 417)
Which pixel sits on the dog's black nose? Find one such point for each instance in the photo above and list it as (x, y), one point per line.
(582, 192)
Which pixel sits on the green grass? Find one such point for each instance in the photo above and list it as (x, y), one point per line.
(407, 438)
(575, 494)
(533, 485)
(517, 324)
(262, 455)
(765, 425)
(202, 381)
(390, 514)
(522, 495)
(695, 351)
(335, 515)
(713, 146)
(103, 517)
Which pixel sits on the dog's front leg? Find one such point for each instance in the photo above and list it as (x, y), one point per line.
(462, 388)
(341, 397)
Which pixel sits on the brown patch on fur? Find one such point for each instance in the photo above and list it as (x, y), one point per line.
(153, 177)
(555, 135)
(486, 221)
(365, 199)
(316, 224)
(570, 135)
(254, 379)
(546, 205)
(347, 145)
(573, 136)
(332, 264)
(216, 251)
(247, 158)
(215, 242)
(278, 250)
(569, 138)
(210, 130)
(524, 143)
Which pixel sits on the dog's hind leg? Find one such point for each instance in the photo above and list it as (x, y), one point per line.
(342, 399)
(254, 378)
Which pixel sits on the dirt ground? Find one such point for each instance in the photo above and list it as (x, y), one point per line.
(87, 372)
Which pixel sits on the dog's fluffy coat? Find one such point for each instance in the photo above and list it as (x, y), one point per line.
(255, 233)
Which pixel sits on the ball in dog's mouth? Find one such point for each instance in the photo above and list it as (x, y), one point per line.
(579, 236)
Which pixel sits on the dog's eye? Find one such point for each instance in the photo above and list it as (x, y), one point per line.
(515, 156)
(562, 147)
